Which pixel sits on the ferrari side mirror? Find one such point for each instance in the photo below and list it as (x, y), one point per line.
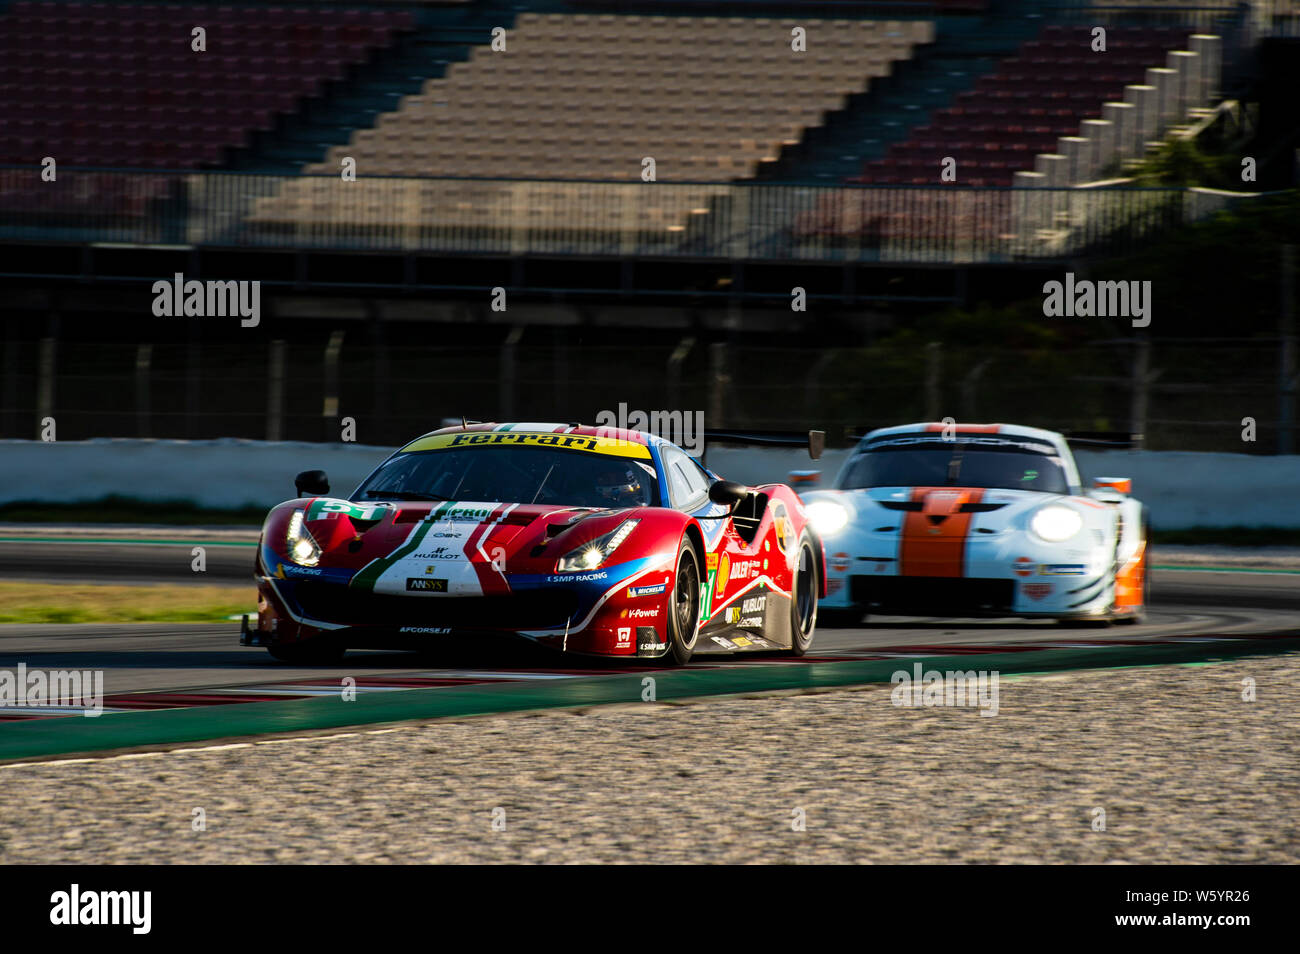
(727, 492)
(313, 483)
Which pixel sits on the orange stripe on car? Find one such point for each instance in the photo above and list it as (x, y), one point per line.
(934, 537)
(1129, 580)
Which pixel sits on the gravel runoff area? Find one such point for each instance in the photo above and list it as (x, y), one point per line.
(1266, 558)
(1185, 769)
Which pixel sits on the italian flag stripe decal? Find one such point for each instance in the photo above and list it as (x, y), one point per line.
(372, 571)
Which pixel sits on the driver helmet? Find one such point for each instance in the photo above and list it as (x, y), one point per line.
(620, 488)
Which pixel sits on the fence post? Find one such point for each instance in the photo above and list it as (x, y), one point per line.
(1287, 355)
(813, 382)
(330, 405)
(718, 381)
(1140, 394)
(193, 378)
(506, 384)
(45, 383)
(275, 392)
(143, 366)
(933, 374)
(381, 404)
(560, 375)
(970, 390)
(673, 372)
(9, 399)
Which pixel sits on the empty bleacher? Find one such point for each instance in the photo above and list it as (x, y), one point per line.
(576, 97)
(119, 85)
(1045, 92)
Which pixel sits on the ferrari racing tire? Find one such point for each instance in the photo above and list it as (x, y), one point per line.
(684, 605)
(803, 599)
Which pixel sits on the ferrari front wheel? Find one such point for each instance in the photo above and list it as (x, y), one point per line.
(684, 605)
(803, 599)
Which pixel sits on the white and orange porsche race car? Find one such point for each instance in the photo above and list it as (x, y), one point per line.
(978, 520)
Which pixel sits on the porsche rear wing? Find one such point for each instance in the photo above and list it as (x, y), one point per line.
(815, 441)
(1115, 440)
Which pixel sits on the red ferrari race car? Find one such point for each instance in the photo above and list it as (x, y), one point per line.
(591, 540)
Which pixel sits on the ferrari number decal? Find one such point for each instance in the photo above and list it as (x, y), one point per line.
(355, 511)
(706, 597)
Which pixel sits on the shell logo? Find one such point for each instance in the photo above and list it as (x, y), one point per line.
(1023, 566)
(1037, 591)
(724, 573)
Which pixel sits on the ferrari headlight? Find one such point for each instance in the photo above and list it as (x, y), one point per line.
(827, 517)
(595, 552)
(1056, 523)
(302, 547)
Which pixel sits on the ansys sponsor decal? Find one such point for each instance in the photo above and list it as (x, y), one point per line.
(427, 584)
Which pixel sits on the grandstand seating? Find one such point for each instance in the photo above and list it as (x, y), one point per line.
(591, 96)
(1043, 93)
(118, 85)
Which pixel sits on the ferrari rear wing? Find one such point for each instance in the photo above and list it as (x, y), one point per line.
(815, 441)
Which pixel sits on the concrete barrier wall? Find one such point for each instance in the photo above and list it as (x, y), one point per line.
(221, 474)
(1182, 489)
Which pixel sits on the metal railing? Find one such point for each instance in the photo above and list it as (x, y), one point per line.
(739, 221)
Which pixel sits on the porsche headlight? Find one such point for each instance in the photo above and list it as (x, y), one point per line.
(1055, 523)
(302, 547)
(827, 517)
(595, 552)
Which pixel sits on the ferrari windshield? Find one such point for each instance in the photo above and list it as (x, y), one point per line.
(522, 474)
(932, 462)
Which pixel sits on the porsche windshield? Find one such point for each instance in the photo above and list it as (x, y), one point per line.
(924, 462)
(526, 475)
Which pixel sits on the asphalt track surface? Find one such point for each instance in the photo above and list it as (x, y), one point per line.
(142, 656)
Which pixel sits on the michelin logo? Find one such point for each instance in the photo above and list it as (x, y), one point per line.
(653, 590)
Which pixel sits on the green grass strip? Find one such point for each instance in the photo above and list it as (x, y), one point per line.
(133, 541)
(77, 734)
